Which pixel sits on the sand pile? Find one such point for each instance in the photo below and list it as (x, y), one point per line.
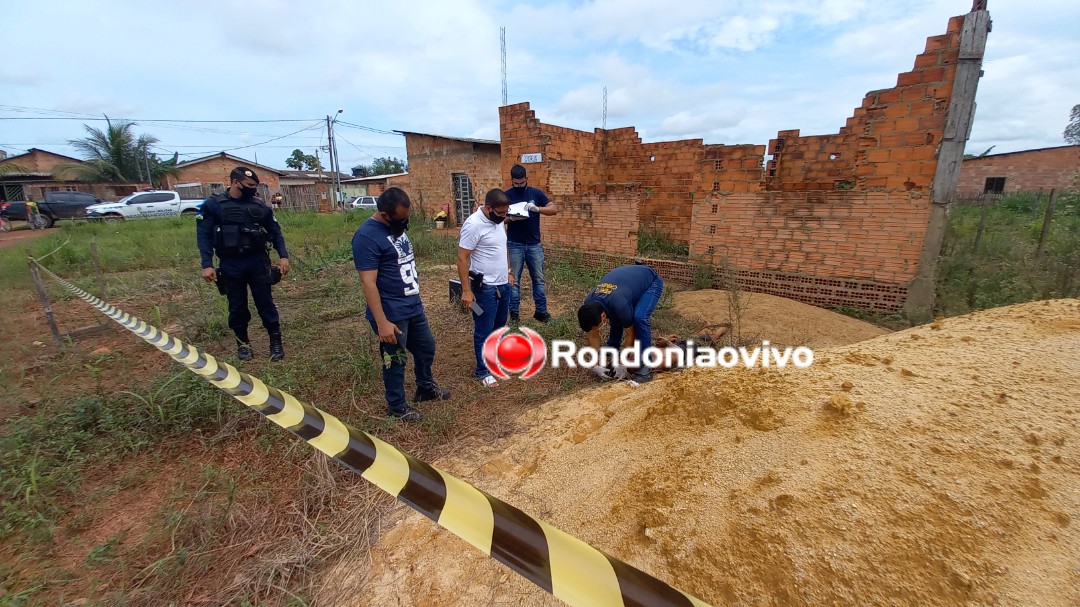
(934, 466)
(777, 319)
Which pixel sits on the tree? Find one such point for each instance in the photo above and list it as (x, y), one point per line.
(301, 161)
(1072, 132)
(117, 155)
(387, 166)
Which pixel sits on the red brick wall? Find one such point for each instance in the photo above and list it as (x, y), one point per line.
(216, 170)
(833, 220)
(890, 143)
(601, 221)
(401, 181)
(874, 236)
(1023, 171)
(37, 161)
(434, 160)
(668, 176)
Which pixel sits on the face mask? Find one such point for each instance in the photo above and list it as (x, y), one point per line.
(495, 218)
(248, 193)
(398, 226)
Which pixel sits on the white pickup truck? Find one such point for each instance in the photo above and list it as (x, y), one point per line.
(142, 205)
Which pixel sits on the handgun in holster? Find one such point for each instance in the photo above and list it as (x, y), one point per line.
(476, 280)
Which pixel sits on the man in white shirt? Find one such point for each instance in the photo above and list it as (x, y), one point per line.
(483, 267)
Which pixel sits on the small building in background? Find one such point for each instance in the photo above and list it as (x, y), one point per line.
(451, 173)
(38, 176)
(1025, 171)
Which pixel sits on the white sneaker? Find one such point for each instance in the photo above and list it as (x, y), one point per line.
(489, 382)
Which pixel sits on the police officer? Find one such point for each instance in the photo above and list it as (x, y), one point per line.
(240, 228)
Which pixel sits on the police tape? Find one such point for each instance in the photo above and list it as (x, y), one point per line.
(557, 562)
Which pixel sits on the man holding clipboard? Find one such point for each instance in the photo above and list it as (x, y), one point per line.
(523, 241)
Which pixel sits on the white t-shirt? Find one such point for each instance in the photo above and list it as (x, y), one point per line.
(487, 241)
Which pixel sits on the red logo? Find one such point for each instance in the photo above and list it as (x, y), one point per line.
(514, 353)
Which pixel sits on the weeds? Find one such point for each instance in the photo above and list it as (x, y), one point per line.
(1003, 269)
(654, 243)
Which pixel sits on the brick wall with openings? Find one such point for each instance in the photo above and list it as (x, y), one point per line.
(890, 143)
(666, 177)
(831, 220)
(433, 162)
(1025, 171)
(824, 292)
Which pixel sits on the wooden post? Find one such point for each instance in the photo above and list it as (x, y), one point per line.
(45, 303)
(97, 270)
(1046, 224)
(982, 224)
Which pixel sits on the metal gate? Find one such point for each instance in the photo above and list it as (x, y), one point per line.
(463, 197)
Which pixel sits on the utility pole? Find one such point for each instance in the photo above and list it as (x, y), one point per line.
(149, 176)
(330, 149)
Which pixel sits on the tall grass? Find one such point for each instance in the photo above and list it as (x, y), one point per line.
(1003, 268)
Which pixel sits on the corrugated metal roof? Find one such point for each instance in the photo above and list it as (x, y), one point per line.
(465, 139)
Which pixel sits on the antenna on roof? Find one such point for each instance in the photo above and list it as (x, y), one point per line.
(502, 40)
(605, 110)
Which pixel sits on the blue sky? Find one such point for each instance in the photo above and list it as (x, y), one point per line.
(723, 71)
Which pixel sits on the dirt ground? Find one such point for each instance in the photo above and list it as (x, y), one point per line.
(933, 466)
(16, 236)
(777, 319)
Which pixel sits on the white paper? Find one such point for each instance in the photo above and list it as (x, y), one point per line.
(518, 209)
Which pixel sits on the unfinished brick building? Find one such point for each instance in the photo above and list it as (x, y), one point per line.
(1024, 171)
(849, 219)
(450, 173)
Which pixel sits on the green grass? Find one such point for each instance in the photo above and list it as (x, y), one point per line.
(656, 244)
(1004, 269)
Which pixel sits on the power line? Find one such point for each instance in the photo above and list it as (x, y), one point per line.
(65, 115)
(367, 128)
(307, 128)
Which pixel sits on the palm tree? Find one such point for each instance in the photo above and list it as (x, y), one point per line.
(116, 155)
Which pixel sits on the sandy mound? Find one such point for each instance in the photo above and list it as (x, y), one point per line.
(777, 319)
(934, 466)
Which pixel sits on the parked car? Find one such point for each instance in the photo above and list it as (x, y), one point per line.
(57, 205)
(366, 203)
(142, 205)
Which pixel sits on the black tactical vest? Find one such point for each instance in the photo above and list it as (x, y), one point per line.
(239, 232)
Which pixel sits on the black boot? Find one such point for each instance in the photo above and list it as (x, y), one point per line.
(243, 347)
(277, 351)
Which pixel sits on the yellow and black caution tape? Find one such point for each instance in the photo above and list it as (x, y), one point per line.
(561, 564)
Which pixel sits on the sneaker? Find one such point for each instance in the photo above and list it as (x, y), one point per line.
(542, 317)
(243, 352)
(489, 382)
(515, 317)
(408, 415)
(432, 393)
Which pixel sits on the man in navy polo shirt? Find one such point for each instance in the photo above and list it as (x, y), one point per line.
(626, 298)
(523, 243)
(384, 258)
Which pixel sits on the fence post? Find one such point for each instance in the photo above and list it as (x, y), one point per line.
(1046, 223)
(982, 222)
(45, 303)
(97, 270)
